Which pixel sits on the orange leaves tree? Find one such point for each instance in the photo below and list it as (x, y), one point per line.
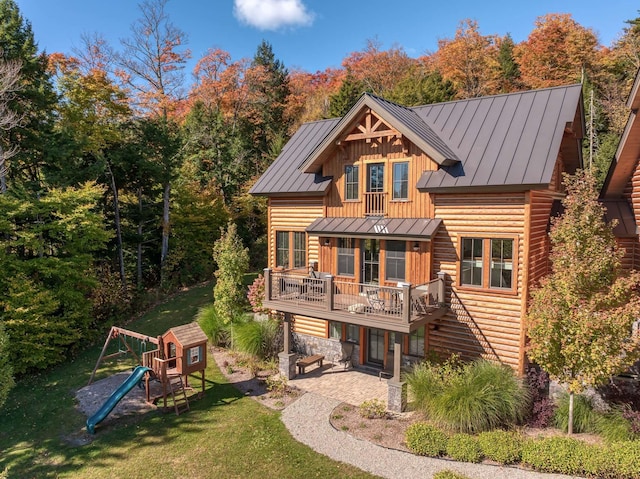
(469, 61)
(581, 317)
(556, 52)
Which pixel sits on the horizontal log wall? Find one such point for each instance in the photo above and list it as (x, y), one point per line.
(632, 193)
(294, 214)
(481, 323)
(539, 213)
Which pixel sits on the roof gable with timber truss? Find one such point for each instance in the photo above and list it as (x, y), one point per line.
(507, 142)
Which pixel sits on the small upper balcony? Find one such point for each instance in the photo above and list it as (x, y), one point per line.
(375, 204)
(395, 308)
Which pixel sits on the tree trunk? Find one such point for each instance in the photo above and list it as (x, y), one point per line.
(139, 256)
(116, 214)
(3, 172)
(570, 426)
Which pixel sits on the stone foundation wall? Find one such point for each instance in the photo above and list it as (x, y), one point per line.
(331, 349)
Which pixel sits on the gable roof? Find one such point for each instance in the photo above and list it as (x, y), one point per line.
(188, 334)
(508, 141)
(399, 117)
(628, 151)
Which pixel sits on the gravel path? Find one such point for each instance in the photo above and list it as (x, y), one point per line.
(308, 421)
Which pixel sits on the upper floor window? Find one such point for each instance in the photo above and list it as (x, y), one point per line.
(487, 263)
(395, 260)
(351, 178)
(401, 180)
(346, 256)
(375, 178)
(291, 249)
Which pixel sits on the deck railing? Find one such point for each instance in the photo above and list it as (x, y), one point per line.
(375, 204)
(403, 303)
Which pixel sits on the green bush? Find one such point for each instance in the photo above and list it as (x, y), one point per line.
(427, 380)
(449, 474)
(482, 397)
(373, 409)
(504, 447)
(258, 338)
(426, 440)
(615, 426)
(621, 460)
(213, 325)
(584, 417)
(557, 454)
(463, 447)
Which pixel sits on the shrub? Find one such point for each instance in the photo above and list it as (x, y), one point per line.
(484, 396)
(427, 380)
(426, 440)
(449, 474)
(542, 407)
(463, 447)
(556, 454)
(258, 338)
(277, 385)
(256, 295)
(373, 409)
(213, 325)
(504, 447)
(232, 259)
(622, 460)
(620, 424)
(584, 417)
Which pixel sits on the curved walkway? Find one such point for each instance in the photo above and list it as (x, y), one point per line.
(308, 421)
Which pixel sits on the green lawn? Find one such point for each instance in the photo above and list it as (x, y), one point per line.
(225, 434)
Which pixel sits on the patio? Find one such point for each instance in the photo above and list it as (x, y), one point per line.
(347, 385)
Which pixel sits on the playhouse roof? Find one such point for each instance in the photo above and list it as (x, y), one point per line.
(188, 334)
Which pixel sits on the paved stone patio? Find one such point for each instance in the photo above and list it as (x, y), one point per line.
(347, 385)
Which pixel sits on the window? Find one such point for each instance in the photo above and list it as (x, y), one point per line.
(472, 263)
(194, 355)
(416, 342)
(346, 248)
(351, 178)
(401, 180)
(353, 333)
(395, 260)
(335, 330)
(487, 263)
(501, 263)
(375, 178)
(299, 249)
(291, 245)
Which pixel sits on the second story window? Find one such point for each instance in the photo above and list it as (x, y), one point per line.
(395, 260)
(351, 179)
(282, 249)
(487, 263)
(291, 249)
(375, 178)
(401, 180)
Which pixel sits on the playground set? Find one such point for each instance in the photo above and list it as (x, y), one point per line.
(168, 359)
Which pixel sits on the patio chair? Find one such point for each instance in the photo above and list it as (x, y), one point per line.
(375, 301)
(347, 354)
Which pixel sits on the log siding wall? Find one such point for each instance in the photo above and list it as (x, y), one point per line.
(632, 194)
(482, 322)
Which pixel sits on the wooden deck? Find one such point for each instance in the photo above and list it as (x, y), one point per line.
(401, 309)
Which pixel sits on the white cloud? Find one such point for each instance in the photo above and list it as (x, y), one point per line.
(272, 14)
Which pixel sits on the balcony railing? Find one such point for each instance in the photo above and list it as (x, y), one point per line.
(375, 204)
(403, 304)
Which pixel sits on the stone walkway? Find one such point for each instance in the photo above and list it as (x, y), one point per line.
(308, 421)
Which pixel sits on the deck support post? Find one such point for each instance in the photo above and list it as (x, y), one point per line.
(397, 390)
(441, 288)
(329, 291)
(267, 284)
(287, 359)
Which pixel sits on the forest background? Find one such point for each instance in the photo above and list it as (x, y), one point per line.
(116, 176)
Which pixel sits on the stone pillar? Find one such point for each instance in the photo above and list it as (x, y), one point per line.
(397, 396)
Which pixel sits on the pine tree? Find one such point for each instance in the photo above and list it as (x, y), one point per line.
(350, 90)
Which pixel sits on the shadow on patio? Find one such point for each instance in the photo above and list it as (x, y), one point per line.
(347, 385)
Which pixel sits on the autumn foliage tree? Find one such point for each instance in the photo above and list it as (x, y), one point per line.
(581, 316)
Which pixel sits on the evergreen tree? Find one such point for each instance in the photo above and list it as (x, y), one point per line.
(6, 370)
(422, 89)
(350, 90)
(232, 259)
(510, 71)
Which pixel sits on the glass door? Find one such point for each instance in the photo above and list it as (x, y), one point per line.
(370, 261)
(375, 346)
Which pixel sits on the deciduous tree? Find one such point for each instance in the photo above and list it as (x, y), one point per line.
(232, 260)
(581, 316)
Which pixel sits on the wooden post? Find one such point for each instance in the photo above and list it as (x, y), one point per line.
(406, 302)
(441, 288)
(267, 284)
(287, 333)
(397, 355)
(104, 349)
(329, 289)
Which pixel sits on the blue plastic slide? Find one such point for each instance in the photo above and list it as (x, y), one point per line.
(116, 396)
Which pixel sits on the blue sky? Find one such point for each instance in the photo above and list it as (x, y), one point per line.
(314, 34)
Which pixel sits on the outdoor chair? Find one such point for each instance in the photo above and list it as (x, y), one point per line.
(347, 354)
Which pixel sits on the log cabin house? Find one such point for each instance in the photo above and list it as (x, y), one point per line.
(621, 191)
(408, 230)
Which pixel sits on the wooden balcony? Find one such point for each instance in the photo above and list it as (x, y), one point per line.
(375, 204)
(402, 309)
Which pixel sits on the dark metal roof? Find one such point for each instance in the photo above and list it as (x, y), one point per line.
(283, 175)
(621, 211)
(389, 228)
(503, 140)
